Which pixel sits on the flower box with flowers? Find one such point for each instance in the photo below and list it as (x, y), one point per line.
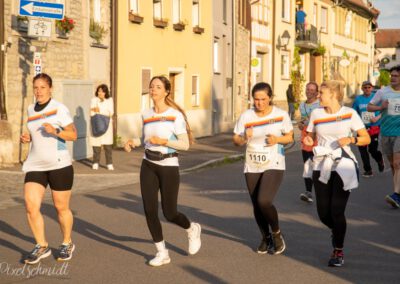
(65, 26)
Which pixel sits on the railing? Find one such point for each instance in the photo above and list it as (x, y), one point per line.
(307, 38)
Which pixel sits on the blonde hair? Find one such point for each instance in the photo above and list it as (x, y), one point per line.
(335, 87)
(170, 102)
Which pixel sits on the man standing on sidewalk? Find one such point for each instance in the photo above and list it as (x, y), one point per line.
(387, 100)
(372, 123)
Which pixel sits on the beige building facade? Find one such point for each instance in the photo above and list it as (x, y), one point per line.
(339, 42)
(167, 37)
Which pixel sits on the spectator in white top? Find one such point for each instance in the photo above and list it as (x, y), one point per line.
(103, 104)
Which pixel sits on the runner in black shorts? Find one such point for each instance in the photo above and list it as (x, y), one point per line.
(48, 163)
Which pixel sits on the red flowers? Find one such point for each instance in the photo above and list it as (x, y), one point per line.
(65, 25)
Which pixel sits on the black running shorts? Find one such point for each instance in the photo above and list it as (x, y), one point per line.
(58, 180)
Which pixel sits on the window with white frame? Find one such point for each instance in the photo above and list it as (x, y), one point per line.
(195, 91)
(315, 8)
(196, 13)
(145, 98)
(216, 56)
(285, 65)
(324, 19)
(157, 9)
(224, 11)
(97, 11)
(134, 7)
(286, 10)
(176, 11)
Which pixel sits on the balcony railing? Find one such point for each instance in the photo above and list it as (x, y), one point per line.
(307, 39)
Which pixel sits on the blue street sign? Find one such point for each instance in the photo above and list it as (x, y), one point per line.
(41, 9)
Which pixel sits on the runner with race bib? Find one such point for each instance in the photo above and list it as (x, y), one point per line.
(265, 129)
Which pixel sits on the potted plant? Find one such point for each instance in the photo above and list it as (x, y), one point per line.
(65, 26)
(198, 30)
(96, 31)
(160, 23)
(320, 50)
(23, 23)
(180, 26)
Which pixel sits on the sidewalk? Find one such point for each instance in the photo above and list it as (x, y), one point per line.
(207, 151)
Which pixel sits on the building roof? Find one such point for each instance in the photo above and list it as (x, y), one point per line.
(386, 38)
(362, 7)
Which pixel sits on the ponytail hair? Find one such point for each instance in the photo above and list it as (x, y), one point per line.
(335, 87)
(170, 102)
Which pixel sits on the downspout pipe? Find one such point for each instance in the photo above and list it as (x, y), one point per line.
(114, 62)
(3, 110)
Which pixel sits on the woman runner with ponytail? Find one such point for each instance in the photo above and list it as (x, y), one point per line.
(165, 131)
(334, 167)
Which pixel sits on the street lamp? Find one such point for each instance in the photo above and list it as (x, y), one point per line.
(284, 40)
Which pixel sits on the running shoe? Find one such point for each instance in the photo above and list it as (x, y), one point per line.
(266, 245)
(110, 167)
(368, 174)
(95, 166)
(279, 243)
(37, 254)
(162, 257)
(393, 199)
(381, 166)
(65, 252)
(194, 233)
(307, 197)
(337, 258)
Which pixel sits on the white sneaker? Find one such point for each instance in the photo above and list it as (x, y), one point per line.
(162, 257)
(194, 233)
(110, 167)
(95, 166)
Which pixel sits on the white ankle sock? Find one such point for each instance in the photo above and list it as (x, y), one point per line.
(160, 246)
(190, 228)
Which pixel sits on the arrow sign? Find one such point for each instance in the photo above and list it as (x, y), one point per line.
(41, 9)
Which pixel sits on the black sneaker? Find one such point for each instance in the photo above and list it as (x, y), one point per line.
(266, 245)
(279, 243)
(368, 174)
(37, 254)
(337, 258)
(65, 252)
(381, 166)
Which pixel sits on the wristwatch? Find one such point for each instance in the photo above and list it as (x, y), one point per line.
(58, 130)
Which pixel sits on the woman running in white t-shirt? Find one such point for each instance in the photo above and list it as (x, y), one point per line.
(334, 168)
(48, 163)
(265, 129)
(165, 130)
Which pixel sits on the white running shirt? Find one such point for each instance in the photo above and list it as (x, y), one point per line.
(47, 152)
(331, 127)
(167, 125)
(277, 123)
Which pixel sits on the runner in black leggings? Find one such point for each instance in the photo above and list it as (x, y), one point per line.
(334, 170)
(265, 129)
(165, 130)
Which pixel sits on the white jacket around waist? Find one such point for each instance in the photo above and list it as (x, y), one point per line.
(332, 160)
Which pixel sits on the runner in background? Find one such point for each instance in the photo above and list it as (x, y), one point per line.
(306, 108)
(371, 122)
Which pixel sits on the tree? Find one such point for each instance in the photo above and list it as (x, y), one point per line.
(296, 77)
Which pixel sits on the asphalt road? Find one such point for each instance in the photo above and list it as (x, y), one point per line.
(113, 243)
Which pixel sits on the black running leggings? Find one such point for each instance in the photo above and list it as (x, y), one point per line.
(331, 204)
(308, 181)
(166, 179)
(263, 188)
